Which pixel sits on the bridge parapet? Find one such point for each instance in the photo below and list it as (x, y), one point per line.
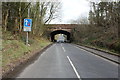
(65, 27)
(69, 30)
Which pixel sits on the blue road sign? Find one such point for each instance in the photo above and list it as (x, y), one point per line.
(27, 24)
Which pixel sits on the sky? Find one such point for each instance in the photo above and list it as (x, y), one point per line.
(71, 10)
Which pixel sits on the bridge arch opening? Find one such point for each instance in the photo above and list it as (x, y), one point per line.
(54, 33)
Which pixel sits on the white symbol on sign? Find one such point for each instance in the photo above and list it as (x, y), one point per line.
(26, 22)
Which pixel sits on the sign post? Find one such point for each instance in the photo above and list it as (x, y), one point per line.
(27, 27)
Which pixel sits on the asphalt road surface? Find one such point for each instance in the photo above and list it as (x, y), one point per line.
(63, 60)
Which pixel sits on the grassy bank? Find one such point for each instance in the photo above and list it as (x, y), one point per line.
(110, 46)
(106, 45)
(96, 37)
(15, 51)
(103, 49)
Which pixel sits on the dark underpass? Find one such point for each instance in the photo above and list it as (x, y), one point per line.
(52, 35)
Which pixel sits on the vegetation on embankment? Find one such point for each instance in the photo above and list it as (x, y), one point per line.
(92, 36)
(14, 51)
(102, 30)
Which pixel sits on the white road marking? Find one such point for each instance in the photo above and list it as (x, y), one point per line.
(63, 49)
(96, 55)
(78, 76)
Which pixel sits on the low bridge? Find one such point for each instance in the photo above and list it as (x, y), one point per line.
(60, 29)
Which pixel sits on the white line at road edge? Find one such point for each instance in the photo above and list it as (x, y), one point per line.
(78, 76)
(96, 55)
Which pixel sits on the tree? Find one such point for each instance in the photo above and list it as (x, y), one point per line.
(41, 13)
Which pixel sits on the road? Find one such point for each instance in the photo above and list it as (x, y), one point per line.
(63, 60)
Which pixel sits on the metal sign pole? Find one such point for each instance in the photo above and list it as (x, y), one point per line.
(27, 39)
(27, 26)
(27, 31)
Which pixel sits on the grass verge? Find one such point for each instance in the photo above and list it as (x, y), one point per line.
(15, 51)
(104, 49)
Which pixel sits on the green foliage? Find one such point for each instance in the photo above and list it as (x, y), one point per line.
(103, 30)
(14, 38)
(41, 13)
(12, 50)
(118, 47)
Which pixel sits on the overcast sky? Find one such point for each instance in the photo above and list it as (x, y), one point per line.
(73, 9)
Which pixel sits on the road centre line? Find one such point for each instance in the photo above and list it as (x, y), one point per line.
(78, 76)
(63, 49)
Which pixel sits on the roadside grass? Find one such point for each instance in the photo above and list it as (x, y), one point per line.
(90, 43)
(112, 51)
(97, 37)
(13, 50)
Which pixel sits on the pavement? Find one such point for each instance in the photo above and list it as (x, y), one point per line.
(64, 60)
